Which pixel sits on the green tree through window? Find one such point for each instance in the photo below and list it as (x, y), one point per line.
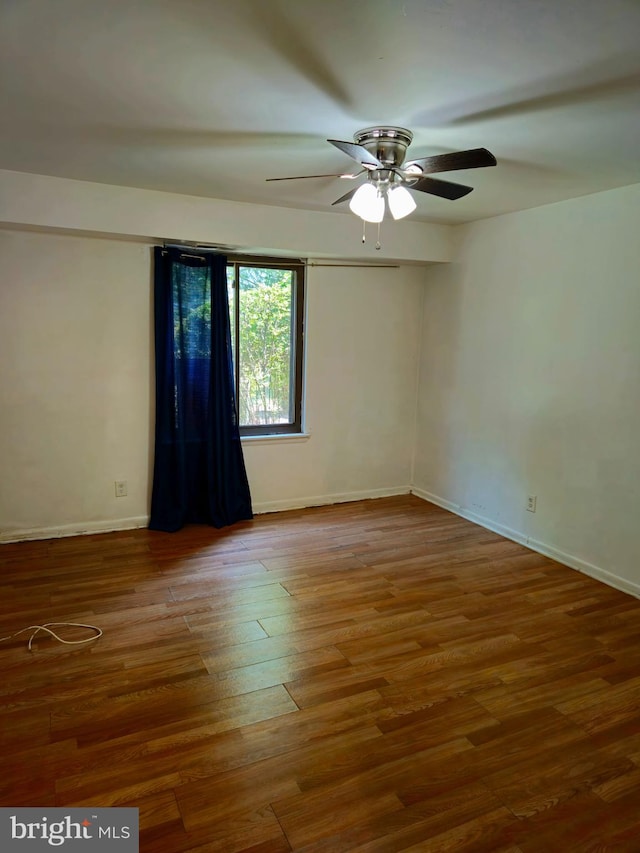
(266, 312)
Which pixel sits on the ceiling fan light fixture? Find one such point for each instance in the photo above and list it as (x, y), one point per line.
(367, 203)
(380, 152)
(401, 202)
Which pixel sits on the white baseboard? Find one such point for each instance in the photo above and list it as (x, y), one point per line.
(87, 528)
(556, 554)
(483, 521)
(84, 529)
(586, 568)
(261, 507)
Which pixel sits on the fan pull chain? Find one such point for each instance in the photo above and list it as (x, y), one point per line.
(364, 234)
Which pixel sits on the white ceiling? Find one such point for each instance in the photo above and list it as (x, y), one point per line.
(210, 98)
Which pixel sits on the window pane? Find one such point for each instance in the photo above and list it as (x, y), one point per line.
(265, 321)
(231, 294)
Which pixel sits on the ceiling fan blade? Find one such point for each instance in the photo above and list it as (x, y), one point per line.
(444, 189)
(472, 159)
(346, 197)
(304, 177)
(358, 153)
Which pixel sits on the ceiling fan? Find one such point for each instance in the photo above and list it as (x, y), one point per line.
(381, 152)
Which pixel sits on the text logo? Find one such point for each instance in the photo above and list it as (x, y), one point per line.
(106, 830)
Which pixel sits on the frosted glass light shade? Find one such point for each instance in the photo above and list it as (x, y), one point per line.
(401, 202)
(368, 204)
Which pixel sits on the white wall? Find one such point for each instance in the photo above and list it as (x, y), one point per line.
(76, 387)
(530, 381)
(75, 382)
(41, 201)
(363, 328)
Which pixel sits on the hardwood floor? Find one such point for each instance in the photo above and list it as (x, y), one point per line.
(376, 676)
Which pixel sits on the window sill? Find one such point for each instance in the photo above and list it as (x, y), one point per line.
(281, 437)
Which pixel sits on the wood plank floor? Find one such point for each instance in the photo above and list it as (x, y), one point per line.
(375, 676)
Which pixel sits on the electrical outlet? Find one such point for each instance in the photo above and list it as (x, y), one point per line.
(121, 488)
(531, 503)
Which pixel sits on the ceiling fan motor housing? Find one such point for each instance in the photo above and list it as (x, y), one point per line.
(387, 144)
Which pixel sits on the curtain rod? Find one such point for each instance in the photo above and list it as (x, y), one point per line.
(359, 266)
(234, 257)
(189, 251)
(187, 255)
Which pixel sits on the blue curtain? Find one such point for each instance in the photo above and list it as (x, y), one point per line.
(199, 474)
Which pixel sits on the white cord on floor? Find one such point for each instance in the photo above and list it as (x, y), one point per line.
(47, 627)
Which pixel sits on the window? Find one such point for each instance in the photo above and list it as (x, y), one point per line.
(266, 307)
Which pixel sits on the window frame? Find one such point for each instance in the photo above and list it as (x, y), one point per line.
(296, 388)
